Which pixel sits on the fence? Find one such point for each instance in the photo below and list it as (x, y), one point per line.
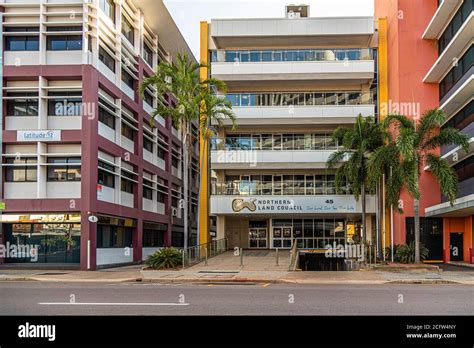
(201, 253)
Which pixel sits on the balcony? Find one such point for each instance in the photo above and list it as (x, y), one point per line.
(452, 52)
(284, 32)
(301, 107)
(257, 197)
(459, 94)
(260, 68)
(270, 151)
(440, 18)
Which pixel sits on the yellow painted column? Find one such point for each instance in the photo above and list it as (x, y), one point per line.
(383, 105)
(204, 235)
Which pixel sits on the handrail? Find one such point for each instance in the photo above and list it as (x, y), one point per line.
(202, 252)
(293, 256)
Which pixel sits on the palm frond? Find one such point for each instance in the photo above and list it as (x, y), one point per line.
(445, 175)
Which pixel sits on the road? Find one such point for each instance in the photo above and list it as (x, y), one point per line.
(41, 298)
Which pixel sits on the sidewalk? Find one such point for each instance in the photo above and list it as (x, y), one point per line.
(228, 274)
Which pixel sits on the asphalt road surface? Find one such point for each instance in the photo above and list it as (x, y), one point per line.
(40, 298)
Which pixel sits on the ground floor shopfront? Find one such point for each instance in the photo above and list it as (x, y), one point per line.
(89, 242)
(309, 232)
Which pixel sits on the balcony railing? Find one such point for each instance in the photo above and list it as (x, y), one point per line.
(300, 98)
(275, 142)
(329, 54)
(263, 188)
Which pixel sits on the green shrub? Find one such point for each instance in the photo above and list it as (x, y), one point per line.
(165, 258)
(406, 253)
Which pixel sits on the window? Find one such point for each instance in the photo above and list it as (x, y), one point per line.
(107, 59)
(128, 79)
(64, 43)
(153, 238)
(147, 189)
(127, 30)
(106, 176)
(108, 6)
(69, 103)
(455, 24)
(148, 54)
(457, 72)
(127, 131)
(21, 170)
(64, 169)
(106, 118)
(114, 236)
(161, 153)
(147, 144)
(22, 43)
(21, 105)
(148, 98)
(463, 118)
(125, 184)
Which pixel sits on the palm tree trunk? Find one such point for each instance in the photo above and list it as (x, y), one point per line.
(185, 185)
(364, 229)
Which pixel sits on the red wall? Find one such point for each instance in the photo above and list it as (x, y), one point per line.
(409, 59)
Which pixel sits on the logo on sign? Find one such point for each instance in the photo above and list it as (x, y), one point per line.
(240, 204)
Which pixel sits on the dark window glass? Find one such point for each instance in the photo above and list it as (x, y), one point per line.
(153, 238)
(21, 43)
(106, 118)
(126, 185)
(106, 178)
(107, 59)
(23, 170)
(64, 43)
(21, 105)
(114, 236)
(147, 192)
(64, 169)
(127, 131)
(127, 30)
(128, 79)
(457, 72)
(69, 105)
(147, 144)
(148, 54)
(455, 24)
(108, 6)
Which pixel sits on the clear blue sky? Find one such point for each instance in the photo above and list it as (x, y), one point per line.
(188, 13)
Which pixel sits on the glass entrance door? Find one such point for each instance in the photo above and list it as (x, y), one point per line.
(258, 238)
(282, 237)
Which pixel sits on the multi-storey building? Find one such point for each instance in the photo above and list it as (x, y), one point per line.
(292, 81)
(86, 178)
(430, 64)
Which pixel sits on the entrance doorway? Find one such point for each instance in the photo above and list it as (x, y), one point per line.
(456, 246)
(282, 237)
(258, 235)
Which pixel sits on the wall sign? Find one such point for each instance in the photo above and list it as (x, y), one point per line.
(38, 135)
(289, 205)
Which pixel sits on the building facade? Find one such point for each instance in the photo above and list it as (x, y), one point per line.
(292, 81)
(430, 60)
(85, 176)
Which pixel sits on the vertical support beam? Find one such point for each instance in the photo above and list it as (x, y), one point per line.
(383, 103)
(204, 235)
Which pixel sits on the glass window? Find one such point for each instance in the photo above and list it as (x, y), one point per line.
(319, 99)
(107, 59)
(128, 79)
(255, 56)
(20, 105)
(21, 169)
(106, 118)
(64, 169)
(114, 236)
(22, 43)
(128, 30)
(267, 56)
(105, 177)
(108, 6)
(67, 103)
(148, 54)
(64, 43)
(127, 131)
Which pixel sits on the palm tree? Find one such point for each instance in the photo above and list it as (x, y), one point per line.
(410, 147)
(351, 159)
(180, 82)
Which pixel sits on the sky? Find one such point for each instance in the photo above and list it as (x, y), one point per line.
(188, 13)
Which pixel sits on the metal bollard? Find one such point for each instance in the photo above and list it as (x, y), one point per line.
(276, 254)
(183, 258)
(241, 258)
(205, 254)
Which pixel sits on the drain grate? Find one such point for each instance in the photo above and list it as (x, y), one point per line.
(220, 272)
